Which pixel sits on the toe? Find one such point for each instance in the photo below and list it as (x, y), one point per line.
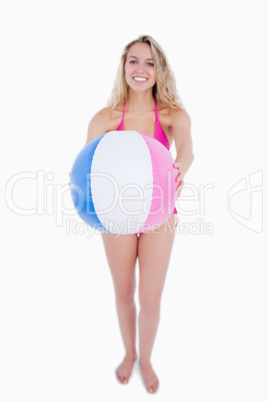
(156, 386)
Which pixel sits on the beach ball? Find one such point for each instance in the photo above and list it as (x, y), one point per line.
(124, 182)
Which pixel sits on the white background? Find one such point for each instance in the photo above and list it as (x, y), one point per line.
(60, 338)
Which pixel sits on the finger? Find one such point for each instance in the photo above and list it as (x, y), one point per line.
(180, 184)
(180, 176)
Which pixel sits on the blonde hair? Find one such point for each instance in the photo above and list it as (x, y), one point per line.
(164, 89)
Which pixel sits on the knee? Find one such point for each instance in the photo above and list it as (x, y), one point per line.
(150, 306)
(125, 295)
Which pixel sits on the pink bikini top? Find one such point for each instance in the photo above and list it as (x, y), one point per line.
(159, 133)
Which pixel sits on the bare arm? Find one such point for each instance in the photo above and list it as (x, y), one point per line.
(181, 132)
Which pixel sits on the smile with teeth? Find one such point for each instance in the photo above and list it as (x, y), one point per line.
(140, 79)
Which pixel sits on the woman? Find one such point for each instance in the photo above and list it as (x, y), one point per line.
(144, 99)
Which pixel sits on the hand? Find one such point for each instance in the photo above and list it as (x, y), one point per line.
(179, 177)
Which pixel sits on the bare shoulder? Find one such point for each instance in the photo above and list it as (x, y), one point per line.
(174, 116)
(99, 120)
(102, 122)
(179, 118)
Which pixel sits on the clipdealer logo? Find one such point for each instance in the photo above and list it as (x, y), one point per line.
(36, 193)
(54, 199)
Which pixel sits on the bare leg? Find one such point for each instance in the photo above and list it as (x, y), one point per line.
(154, 250)
(121, 253)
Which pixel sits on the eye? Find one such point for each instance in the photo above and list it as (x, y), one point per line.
(151, 64)
(132, 61)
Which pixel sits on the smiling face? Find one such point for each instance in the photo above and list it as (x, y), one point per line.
(140, 71)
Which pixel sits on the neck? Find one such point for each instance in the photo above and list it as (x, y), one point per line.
(140, 102)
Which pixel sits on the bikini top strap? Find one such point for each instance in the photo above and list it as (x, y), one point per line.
(124, 109)
(156, 112)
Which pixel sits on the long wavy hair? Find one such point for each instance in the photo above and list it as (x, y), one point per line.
(164, 89)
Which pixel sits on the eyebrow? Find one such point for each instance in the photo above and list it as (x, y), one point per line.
(137, 58)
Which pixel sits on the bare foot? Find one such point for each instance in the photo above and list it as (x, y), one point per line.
(124, 370)
(149, 376)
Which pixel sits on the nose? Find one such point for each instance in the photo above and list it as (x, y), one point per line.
(140, 68)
